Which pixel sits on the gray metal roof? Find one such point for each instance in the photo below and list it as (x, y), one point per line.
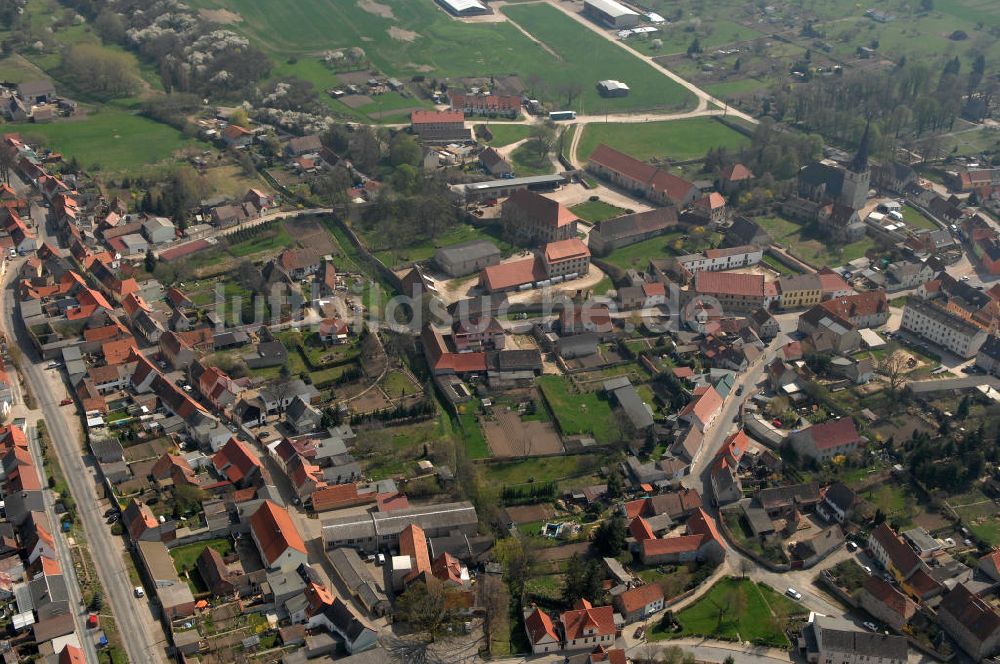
(514, 182)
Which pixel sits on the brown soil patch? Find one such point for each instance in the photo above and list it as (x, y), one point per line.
(310, 234)
(223, 16)
(530, 513)
(401, 34)
(509, 436)
(369, 401)
(377, 8)
(356, 101)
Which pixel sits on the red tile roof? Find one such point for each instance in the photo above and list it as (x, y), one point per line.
(735, 173)
(701, 523)
(868, 303)
(565, 250)
(235, 460)
(434, 117)
(834, 433)
(729, 283)
(637, 598)
(71, 655)
(119, 351)
(639, 529)
(413, 543)
(513, 274)
(584, 616)
(539, 625)
(275, 532)
(552, 214)
(671, 545)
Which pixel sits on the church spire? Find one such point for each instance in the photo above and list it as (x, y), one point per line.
(860, 162)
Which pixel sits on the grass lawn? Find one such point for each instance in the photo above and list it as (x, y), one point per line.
(396, 383)
(423, 250)
(802, 242)
(111, 139)
(914, 219)
(472, 433)
(637, 255)
(526, 160)
(547, 469)
(679, 140)
(185, 556)
(750, 612)
(579, 413)
(897, 502)
(596, 211)
(777, 266)
(505, 133)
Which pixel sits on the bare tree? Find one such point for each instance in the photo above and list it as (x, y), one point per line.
(745, 566)
(571, 90)
(894, 368)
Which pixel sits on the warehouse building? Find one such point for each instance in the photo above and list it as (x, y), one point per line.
(610, 13)
(463, 8)
(466, 258)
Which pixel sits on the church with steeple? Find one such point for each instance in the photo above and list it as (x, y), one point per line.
(831, 194)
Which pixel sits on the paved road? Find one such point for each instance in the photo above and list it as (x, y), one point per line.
(63, 552)
(131, 615)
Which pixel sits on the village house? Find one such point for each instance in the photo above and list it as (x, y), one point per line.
(459, 260)
(824, 441)
(440, 126)
(943, 328)
(971, 621)
(276, 538)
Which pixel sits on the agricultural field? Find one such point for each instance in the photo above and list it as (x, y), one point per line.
(803, 242)
(585, 414)
(678, 140)
(736, 609)
(109, 140)
(404, 39)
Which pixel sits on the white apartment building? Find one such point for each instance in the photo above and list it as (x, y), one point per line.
(943, 328)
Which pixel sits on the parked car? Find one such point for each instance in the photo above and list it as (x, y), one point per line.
(110, 511)
(65, 402)
(113, 519)
(139, 592)
(794, 594)
(852, 546)
(870, 626)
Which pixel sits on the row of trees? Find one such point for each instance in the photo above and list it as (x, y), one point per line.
(910, 100)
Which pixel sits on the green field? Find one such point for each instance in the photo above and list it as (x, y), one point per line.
(675, 39)
(579, 413)
(805, 245)
(586, 58)
(596, 211)
(736, 609)
(403, 38)
(112, 140)
(678, 140)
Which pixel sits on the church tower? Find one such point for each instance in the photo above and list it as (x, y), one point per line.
(857, 176)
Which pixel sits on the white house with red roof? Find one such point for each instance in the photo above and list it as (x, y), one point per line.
(541, 632)
(703, 408)
(827, 440)
(641, 602)
(587, 626)
(278, 541)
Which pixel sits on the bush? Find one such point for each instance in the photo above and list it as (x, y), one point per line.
(594, 199)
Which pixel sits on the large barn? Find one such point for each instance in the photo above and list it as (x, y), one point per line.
(610, 13)
(464, 7)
